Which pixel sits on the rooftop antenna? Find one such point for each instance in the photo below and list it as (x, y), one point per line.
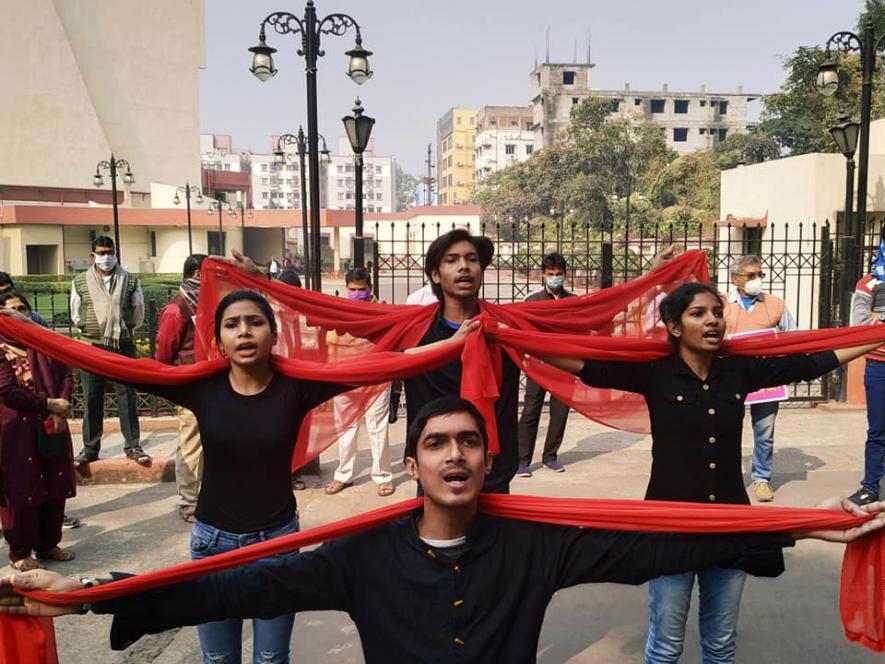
(575, 53)
(547, 52)
(589, 39)
(536, 56)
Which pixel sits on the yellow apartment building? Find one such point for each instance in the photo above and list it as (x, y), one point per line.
(455, 138)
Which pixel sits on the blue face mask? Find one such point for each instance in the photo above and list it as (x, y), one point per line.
(555, 283)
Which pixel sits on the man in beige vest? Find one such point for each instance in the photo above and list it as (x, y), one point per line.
(748, 309)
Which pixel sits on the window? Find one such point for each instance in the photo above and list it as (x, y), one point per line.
(568, 78)
(227, 167)
(264, 168)
(379, 170)
(637, 101)
(263, 180)
(378, 197)
(529, 149)
(722, 134)
(680, 135)
(349, 195)
(152, 235)
(680, 106)
(752, 241)
(472, 120)
(340, 182)
(349, 168)
(458, 120)
(658, 105)
(264, 195)
(528, 126)
(575, 100)
(340, 168)
(614, 105)
(378, 183)
(723, 107)
(703, 102)
(702, 131)
(509, 148)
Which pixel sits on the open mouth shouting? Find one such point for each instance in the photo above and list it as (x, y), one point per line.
(246, 349)
(456, 478)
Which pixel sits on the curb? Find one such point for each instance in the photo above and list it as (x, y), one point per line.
(126, 471)
(112, 425)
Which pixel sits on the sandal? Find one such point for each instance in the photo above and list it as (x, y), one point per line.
(139, 456)
(335, 486)
(386, 489)
(25, 564)
(57, 553)
(84, 459)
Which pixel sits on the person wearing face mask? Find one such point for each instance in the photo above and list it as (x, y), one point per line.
(554, 267)
(107, 305)
(748, 309)
(175, 345)
(359, 288)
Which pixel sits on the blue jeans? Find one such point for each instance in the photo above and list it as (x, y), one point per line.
(669, 599)
(874, 452)
(763, 416)
(222, 641)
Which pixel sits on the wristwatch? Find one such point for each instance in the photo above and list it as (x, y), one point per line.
(87, 583)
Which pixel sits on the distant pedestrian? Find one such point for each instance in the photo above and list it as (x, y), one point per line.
(554, 268)
(175, 345)
(273, 268)
(107, 305)
(36, 457)
(750, 309)
(359, 287)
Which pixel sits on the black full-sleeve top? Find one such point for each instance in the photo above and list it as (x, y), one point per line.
(696, 424)
(411, 604)
(247, 442)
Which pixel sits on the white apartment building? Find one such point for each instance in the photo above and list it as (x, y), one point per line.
(217, 154)
(379, 180)
(692, 120)
(504, 136)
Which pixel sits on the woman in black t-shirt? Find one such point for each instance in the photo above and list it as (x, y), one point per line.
(695, 400)
(249, 419)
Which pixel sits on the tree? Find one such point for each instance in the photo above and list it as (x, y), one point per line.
(742, 149)
(406, 186)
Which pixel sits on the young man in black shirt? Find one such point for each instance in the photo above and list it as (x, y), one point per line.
(444, 584)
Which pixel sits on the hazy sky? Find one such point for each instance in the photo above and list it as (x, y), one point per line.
(431, 55)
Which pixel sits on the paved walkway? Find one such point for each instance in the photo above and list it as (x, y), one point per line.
(789, 619)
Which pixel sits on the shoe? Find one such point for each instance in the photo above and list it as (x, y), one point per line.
(763, 492)
(523, 471)
(555, 466)
(84, 458)
(863, 497)
(139, 456)
(69, 522)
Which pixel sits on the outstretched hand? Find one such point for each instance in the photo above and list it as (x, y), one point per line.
(839, 504)
(664, 256)
(240, 261)
(38, 579)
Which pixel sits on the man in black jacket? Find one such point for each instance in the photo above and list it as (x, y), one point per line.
(445, 584)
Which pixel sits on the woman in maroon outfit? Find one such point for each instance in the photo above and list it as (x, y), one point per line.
(36, 469)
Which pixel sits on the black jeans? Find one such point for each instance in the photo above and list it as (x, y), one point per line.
(531, 416)
(93, 407)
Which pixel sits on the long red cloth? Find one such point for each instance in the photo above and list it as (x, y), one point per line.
(857, 602)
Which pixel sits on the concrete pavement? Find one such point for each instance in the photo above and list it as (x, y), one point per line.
(789, 619)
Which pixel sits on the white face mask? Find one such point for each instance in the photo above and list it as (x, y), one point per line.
(106, 263)
(753, 287)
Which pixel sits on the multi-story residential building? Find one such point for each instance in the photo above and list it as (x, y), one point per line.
(692, 120)
(455, 138)
(379, 180)
(504, 136)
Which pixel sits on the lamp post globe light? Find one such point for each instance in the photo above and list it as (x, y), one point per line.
(217, 205)
(359, 130)
(112, 166)
(300, 142)
(189, 190)
(311, 29)
(827, 83)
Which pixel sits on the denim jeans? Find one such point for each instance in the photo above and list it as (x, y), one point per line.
(669, 599)
(874, 451)
(763, 416)
(222, 641)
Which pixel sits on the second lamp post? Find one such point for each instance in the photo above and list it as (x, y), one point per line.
(187, 190)
(112, 166)
(359, 129)
(217, 204)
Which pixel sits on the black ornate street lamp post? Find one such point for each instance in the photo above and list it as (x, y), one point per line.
(300, 142)
(845, 135)
(311, 29)
(216, 204)
(243, 210)
(827, 83)
(112, 166)
(359, 130)
(187, 190)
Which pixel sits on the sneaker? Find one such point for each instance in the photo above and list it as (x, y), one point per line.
(69, 522)
(863, 497)
(555, 466)
(523, 471)
(763, 492)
